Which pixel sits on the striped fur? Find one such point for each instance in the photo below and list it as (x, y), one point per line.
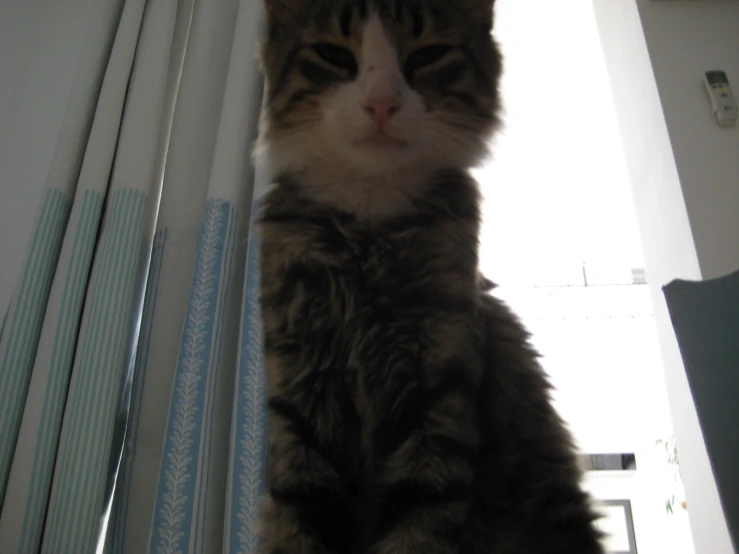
(408, 413)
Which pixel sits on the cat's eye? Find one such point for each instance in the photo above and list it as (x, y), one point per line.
(425, 56)
(337, 56)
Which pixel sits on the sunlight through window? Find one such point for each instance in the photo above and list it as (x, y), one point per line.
(560, 239)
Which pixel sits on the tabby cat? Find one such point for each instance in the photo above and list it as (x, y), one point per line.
(407, 412)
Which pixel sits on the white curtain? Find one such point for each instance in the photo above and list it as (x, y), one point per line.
(132, 293)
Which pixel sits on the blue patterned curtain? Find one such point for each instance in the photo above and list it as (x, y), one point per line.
(62, 347)
(150, 202)
(192, 474)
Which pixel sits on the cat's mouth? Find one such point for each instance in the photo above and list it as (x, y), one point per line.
(380, 141)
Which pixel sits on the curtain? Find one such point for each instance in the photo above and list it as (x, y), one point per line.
(131, 380)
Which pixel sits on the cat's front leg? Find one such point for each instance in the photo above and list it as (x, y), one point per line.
(426, 446)
(307, 507)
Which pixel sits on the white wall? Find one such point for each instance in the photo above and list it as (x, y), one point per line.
(684, 172)
(685, 39)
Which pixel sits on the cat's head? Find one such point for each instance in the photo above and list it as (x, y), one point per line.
(378, 89)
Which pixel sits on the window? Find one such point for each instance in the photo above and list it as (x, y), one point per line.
(560, 239)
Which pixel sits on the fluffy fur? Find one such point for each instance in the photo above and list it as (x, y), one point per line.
(408, 413)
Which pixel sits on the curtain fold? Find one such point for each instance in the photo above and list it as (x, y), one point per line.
(130, 189)
(28, 306)
(49, 296)
(191, 490)
(246, 477)
(43, 41)
(77, 493)
(199, 233)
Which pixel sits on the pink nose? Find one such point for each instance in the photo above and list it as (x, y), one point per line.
(382, 107)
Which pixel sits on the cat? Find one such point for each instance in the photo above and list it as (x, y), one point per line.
(408, 413)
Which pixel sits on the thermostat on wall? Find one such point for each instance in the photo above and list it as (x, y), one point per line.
(722, 99)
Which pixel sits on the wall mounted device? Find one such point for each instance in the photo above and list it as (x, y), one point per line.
(723, 103)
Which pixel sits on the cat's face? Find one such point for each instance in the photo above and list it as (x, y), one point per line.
(379, 87)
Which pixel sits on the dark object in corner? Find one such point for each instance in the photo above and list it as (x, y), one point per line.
(705, 316)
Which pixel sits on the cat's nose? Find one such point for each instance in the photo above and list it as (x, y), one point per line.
(381, 108)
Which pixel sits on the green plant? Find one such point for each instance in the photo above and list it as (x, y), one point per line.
(673, 461)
